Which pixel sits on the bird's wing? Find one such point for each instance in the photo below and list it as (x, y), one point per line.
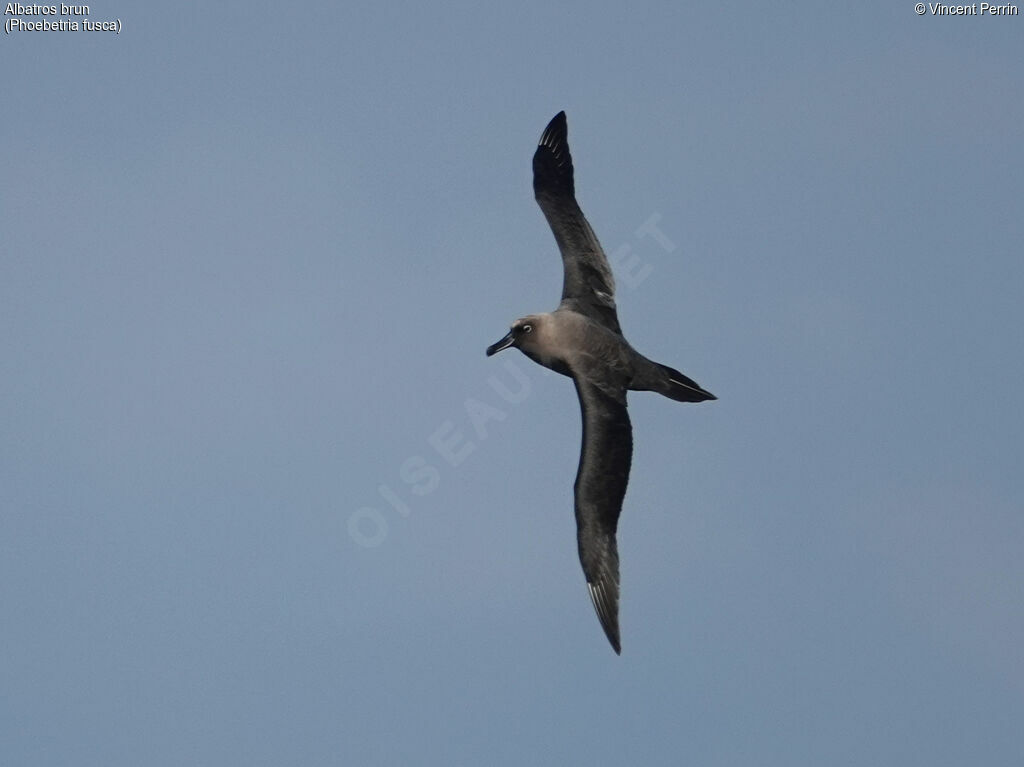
(588, 287)
(600, 487)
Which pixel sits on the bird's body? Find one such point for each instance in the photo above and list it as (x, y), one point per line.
(569, 343)
(582, 339)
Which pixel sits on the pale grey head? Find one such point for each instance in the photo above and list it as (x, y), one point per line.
(523, 334)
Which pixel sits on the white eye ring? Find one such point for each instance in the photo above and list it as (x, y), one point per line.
(527, 328)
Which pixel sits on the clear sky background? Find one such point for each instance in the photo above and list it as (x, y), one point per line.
(251, 256)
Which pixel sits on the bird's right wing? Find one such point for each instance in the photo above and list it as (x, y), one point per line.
(588, 286)
(600, 488)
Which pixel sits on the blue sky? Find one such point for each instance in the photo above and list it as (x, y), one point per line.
(251, 258)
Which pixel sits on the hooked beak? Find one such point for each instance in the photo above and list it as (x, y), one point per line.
(504, 343)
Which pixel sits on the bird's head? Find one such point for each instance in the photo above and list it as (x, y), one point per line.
(522, 334)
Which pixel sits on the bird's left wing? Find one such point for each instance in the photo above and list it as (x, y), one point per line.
(600, 488)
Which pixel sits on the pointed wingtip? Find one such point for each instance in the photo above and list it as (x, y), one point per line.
(552, 162)
(555, 133)
(607, 608)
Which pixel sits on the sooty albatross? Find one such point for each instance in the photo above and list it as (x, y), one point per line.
(582, 339)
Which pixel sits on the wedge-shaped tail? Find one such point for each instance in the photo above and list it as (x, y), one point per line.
(653, 376)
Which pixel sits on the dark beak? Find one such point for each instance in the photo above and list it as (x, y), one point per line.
(504, 343)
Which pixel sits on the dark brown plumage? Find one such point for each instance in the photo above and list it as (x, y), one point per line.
(582, 339)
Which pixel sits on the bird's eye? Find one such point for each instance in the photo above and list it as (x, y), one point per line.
(527, 328)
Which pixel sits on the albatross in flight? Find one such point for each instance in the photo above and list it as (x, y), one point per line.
(582, 339)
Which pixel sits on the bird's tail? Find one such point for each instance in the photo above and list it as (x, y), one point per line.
(669, 382)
